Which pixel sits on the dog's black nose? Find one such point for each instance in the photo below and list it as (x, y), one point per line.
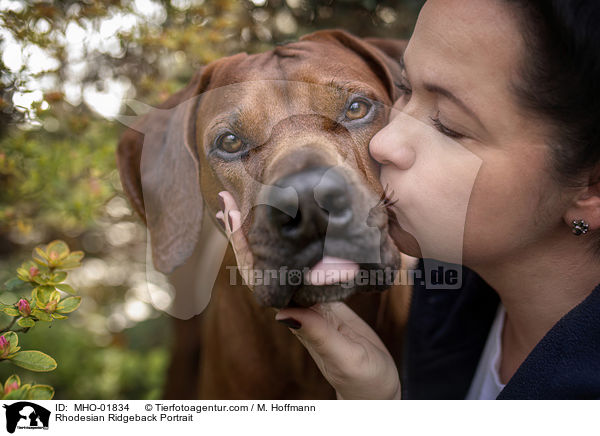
(322, 199)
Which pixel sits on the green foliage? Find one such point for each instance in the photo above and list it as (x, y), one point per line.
(131, 366)
(44, 273)
(48, 181)
(46, 303)
(13, 390)
(33, 361)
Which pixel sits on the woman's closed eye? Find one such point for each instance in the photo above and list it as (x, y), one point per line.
(443, 129)
(406, 91)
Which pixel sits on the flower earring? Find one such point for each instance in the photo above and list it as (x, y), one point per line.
(580, 227)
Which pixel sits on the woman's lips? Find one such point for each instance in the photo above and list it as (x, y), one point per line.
(331, 271)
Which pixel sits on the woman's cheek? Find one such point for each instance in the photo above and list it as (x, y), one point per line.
(434, 190)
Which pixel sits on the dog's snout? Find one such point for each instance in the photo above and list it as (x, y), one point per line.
(323, 203)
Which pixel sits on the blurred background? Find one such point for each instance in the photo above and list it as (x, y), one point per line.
(65, 69)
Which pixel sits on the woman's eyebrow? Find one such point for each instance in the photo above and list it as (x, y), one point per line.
(430, 87)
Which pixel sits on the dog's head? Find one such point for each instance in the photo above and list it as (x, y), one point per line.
(287, 133)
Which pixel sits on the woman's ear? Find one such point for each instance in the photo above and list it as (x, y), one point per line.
(587, 204)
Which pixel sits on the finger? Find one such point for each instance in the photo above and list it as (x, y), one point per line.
(335, 313)
(228, 201)
(223, 214)
(229, 205)
(355, 323)
(221, 217)
(232, 218)
(322, 331)
(242, 252)
(238, 239)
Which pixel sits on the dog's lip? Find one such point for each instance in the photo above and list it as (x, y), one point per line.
(332, 270)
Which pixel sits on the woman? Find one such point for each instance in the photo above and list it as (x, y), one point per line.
(497, 129)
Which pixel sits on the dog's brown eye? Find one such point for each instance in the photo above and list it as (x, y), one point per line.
(229, 143)
(358, 109)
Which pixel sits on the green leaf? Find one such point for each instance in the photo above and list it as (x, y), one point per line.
(40, 392)
(23, 274)
(26, 322)
(18, 394)
(59, 316)
(34, 361)
(10, 380)
(39, 257)
(34, 297)
(42, 295)
(76, 256)
(11, 311)
(41, 279)
(68, 305)
(66, 288)
(58, 277)
(41, 315)
(39, 254)
(14, 284)
(42, 263)
(73, 260)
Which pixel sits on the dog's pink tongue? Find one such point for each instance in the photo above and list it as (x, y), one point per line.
(332, 270)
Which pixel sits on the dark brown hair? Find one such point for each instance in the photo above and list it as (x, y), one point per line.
(560, 79)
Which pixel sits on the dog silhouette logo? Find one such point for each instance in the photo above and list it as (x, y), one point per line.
(24, 414)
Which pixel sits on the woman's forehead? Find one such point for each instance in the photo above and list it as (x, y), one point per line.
(474, 50)
(466, 37)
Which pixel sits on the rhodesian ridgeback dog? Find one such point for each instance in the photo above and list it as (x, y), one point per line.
(287, 133)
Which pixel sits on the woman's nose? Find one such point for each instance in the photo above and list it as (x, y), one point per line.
(392, 146)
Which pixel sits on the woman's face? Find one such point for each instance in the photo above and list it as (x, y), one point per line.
(469, 168)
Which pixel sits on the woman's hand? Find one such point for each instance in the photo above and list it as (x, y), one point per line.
(231, 217)
(347, 351)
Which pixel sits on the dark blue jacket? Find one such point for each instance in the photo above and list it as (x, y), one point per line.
(447, 331)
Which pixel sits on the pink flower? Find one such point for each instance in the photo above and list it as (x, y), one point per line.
(4, 347)
(33, 271)
(51, 306)
(24, 307)
(11, 387)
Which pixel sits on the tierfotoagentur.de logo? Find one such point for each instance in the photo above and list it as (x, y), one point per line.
(26, 415)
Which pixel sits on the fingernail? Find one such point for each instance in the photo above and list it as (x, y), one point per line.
(230, 221)
(219, 217)
(291, 323)
(221, 201)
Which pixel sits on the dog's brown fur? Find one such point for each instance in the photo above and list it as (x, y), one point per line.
(235, 349)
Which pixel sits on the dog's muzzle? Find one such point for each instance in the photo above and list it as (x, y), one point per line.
(312, 232)
(321, 199)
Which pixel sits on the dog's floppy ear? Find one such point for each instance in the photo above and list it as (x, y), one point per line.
(159, 170)
(382, 55)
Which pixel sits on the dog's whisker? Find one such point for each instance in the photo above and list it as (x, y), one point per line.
(386, 199)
